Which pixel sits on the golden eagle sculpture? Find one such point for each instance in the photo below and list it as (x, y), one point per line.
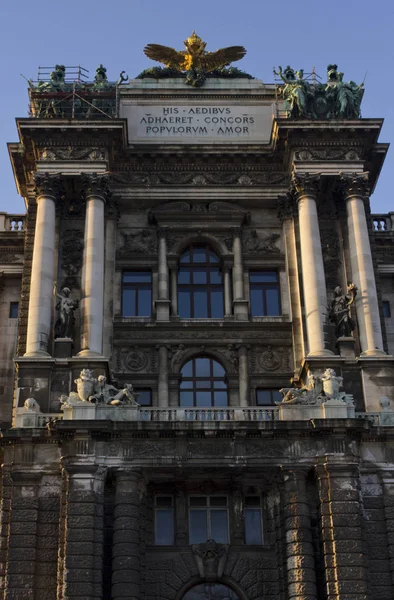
(195, 60)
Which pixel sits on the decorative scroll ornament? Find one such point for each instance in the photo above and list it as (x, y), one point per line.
(195, 60)
(356, 184)
(210, 559)
(305, 184)
(95, 185)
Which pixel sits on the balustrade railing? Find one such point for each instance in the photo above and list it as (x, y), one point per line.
(12, 222)
(383, 222)
(209, 414)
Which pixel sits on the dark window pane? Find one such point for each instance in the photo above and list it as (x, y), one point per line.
(144, 303)
(203, 367)
(184, 276)
(215, 276)
(219, 385)
(218, 501)
(14, 309)
(186, 385)
(128, 303)
(386, 309)
(186, 399)
(200, 305)
(263, 276)
(218, 370)
(164, 534)
(185, 258)
(272, 298)
(276, 396)
(198, 501)
(256, 303)
(198, 532)
(199, 276)
(219, 526)
(213, 258)
(203, 399)
(264, 397)
(137, 277)
(163, 501)
(199, 255)
(145, 397)
(220, 399)
(252, 501)
(184, 304)
(187, 369)
(253, 528)
(217, 308)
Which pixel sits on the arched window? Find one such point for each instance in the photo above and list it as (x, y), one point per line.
(210, 591)
(203, 383)
(200, 284)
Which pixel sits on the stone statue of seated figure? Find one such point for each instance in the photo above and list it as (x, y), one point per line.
(108, 394)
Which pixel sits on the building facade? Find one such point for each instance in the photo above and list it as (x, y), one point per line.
(186, 253)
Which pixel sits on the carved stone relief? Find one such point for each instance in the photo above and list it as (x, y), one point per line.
(252, 243)
(307, 154)
(134, 360)
(269, 359)
(72, 153)
(236, 178)
(72, 256)
(138, 241)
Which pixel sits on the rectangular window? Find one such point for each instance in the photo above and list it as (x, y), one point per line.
(386, 309)
(264, 294)
(208, 519)
(267, 397)
(144, 397)
(164, 521)
(253, 520)
(137, 294)
(14, 309)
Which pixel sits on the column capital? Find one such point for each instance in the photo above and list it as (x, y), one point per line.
(46, 185)
(287, 208)
(94, 185)
(305, 184)
(355, 184)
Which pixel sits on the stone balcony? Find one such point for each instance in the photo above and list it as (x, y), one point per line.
(13, 223)
(383, 222)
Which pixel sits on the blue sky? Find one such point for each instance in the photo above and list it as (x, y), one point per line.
(357, 35)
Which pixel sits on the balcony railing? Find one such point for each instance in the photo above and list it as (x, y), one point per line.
(208, 414)
(383, 222)
(12, 222)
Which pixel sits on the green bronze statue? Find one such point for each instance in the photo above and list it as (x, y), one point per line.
(295, 91)
(344, 98)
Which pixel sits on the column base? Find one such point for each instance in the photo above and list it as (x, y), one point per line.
(37, 354)
(162, 310)
(319, 353)
(241, 310)
(373, 353)
(89, 354)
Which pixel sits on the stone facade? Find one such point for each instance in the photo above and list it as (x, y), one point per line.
(304, 490)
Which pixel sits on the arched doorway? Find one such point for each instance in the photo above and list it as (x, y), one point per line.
(210, 591)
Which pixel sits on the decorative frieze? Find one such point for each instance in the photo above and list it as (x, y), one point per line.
(252, 243)
(56, 153)
(198, 179)
(138, 241)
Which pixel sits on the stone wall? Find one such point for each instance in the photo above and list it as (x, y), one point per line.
(10, 289)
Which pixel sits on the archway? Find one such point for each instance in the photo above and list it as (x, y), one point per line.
(210, 591)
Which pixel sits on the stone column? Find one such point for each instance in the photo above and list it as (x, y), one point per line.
(243, 375)
(227, 292)
(239, 302)
(126, 537)
(314, 284)
(356, 187)
(301, 575)
(388, 500)
(341, 530)
(163, 302)
(163, 376)
(22, 537)
(110, 246)
(43, 268)
(84, 537)
(174, 291)
(96, 192)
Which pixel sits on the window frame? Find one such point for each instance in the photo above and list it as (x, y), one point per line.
(263, 287)
(260, 507)
(137, 286)
(156, 509)
(386, 306)
(195, 388)
(208, 508)
(191, 287)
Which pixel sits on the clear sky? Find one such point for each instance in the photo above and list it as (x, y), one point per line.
(357, 35)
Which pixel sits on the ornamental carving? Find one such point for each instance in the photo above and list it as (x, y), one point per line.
(234, 178)
(10, 258)
(356, 184)
(135, 359)
(213, 207)
(305, 184)
(47, 185)
(210, 559)
(216, 334)
(269, 358)
(95, 185)
(252, 243)
(72, 153)
(287, 207)
(72, 255)
(138, 241)
(306, 154)
(331, 255)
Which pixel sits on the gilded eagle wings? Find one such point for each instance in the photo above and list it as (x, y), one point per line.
(184, 60)
(166, 55)
(222, 57)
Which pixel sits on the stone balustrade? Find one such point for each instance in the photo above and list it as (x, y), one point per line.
(383, 222)
(12, 222)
